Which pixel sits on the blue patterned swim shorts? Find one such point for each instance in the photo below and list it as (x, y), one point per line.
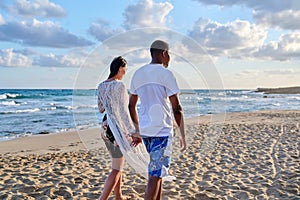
(160, 158)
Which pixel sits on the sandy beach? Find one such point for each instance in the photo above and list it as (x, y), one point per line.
(248, 156)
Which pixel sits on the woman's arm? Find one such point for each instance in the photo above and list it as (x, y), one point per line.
(100, 105)
(130, 126)
(123, 105)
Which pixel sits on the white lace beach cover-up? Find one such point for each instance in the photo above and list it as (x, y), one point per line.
(113, 97)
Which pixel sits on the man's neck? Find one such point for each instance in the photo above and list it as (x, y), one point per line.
(153, 61)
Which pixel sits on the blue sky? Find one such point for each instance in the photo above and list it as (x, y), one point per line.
(62, 44)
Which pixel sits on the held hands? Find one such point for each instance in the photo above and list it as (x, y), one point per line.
(136, 139)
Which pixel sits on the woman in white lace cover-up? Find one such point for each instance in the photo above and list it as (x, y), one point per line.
(121, 137)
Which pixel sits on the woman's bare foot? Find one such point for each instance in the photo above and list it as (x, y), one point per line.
(122, 197)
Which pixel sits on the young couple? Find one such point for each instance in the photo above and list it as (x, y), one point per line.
(151, 128)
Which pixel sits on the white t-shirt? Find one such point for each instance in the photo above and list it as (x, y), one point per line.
(153, 84)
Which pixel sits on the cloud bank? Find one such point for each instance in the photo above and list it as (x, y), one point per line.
(37, 8)
(239, 39)
(40, 33)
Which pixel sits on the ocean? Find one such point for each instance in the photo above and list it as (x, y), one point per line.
(26, 112)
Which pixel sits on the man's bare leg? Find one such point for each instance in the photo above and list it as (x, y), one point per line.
(159, 195)
(153, 188)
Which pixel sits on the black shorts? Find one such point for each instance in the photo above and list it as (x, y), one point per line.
(114, 150)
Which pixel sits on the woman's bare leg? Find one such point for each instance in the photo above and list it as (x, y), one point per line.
(118, 191)
(113, 178)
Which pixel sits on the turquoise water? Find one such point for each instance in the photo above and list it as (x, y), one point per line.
(27, 112)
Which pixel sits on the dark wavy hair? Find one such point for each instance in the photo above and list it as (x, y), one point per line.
(115, 65)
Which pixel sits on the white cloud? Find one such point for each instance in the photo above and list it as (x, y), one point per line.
(271, 13)
(101, 30)
(231, 39)
(280, 72)
(146, 13)
(188, 51)
(262, 78)
(67, 60)
(247, 74)
(269, 5)
(266, 72)
(10, 58)
(286, 19)
(40, 33)
(27, 58)
(241, 39)
(287, 48)
(135, 44)
(26, 52)
(2, 21)
(37, 8)
(76, 58)
(135, 39)
(290, 42)
(138, 57)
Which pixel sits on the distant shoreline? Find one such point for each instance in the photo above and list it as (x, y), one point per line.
(283, 90)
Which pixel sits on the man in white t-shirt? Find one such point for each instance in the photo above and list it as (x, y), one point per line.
(154, 84)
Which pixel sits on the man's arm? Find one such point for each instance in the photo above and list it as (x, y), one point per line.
(132, 110)
(178, 115)
(134, 116)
